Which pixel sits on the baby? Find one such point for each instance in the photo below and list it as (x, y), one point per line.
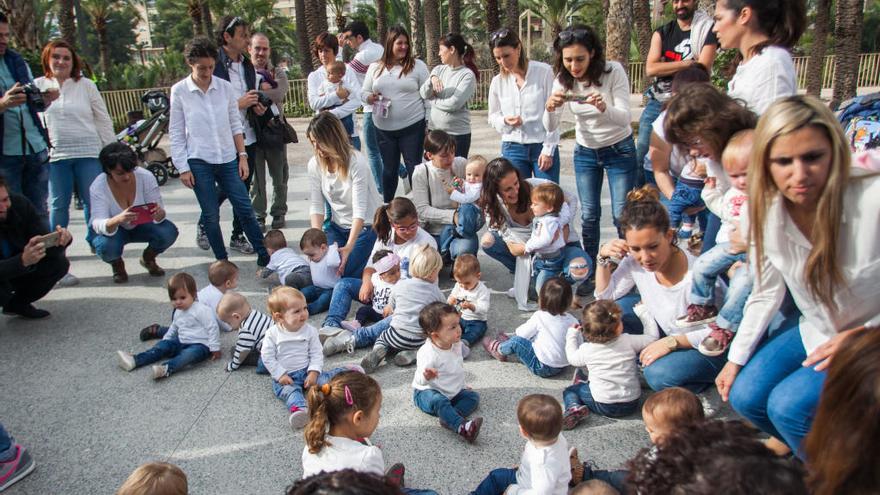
(335, 73)
(548, 240)
(251, 324)
(324, 263)
(468, 191)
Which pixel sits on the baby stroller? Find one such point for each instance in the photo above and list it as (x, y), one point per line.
(143, 135)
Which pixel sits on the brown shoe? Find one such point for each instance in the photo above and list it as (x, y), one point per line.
(120, 276)
(577, 469)
(148, 261)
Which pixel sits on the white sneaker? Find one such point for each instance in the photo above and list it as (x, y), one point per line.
(465, 350)
(126, 360)
(339, 343)
(160, 371)
(298, 419)
(326, 332)
(511, 293)
(68, 280)
(404, 358)
(709, 409)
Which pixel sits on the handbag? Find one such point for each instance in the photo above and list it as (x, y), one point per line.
(288, 132)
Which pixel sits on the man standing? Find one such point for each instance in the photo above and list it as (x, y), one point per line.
(357, 35)
(677, 45)
(274, 85)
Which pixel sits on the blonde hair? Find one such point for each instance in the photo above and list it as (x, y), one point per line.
(347, 392)
(739, 147)
(155, 478)
(822, 271)
(331, 142)
(479, 160)
(425, 261)
(280, 299)
(232, 302)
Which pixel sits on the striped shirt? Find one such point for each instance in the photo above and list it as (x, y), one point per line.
(408, 297)
(250, 337)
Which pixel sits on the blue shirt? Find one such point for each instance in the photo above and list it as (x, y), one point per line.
(13, 119)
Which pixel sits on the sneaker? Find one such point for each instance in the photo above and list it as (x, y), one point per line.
(343, 342)
(298, 418)
(68, 280)
(470, 429)
(465, 350)
(491, 346)
(27, 311)
(278, 222)
(580, 376)
(241, 245)
(577, 468)
(511, 293)
(202, 239)
(125, 360)
(12, 471)
(326, 332)
(697, 314)
(160, 371)
(404, 358)
(685, 231)
(372, 360)
(149, 333)
(395, 475)
(263, 260)
(351, 325)
(573, 416)
(716, 342)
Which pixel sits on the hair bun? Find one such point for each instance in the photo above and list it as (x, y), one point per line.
(645, 193)
(325, 389)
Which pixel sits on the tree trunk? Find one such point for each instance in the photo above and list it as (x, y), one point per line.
(207, 18)
(340, 21)
(416, 31)
(816, 63)
(848, 36)
(82, 19)
(103, 44)
(657, 11)
(381, 22)
(493, 16)
(617, 31)
(22, 23)
(454, 15)
(511, 14)
(316, 18)
(432, 32)
(194, 9)
(707, 6)
(642, 22)
(302, 37)
(67, 21)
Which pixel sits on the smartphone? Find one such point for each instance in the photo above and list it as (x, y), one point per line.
(51, 239)
(144, 213)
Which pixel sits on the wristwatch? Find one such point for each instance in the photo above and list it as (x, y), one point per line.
(242, 153)
(603, 260)
(670, 342)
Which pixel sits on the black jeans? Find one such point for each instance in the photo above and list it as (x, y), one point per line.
(409, 142)
(36, 283)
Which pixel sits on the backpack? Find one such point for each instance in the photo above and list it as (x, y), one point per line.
(860, 118)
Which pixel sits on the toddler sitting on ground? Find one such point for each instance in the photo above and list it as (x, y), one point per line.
(292, 269)
(251, 324)
(470, 296)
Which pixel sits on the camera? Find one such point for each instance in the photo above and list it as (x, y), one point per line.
(264, 100)
(34, 97)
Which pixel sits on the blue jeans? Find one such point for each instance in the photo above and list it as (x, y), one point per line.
(357, 260)
(366, 336)
(524, 158)
(631, 323)
(497, 482)
(371, 145)
(683, 197)
(180, 354)
(501, 253)
(731, 313)
(208, 177)
(292, 395)
(62, 174)
(526, 354)
(684, 368)
(158, 236)
(776, 393)
(472, 331)
(348, 123)
(713, 223)
(452, 412)
(706, 270)
(580, 395)
(318, 298)
(7, 446)
(345, 291)
(545, 269)
(455, 240)
(408, 142)
(619, 160)
(29, 175)
(649, 115)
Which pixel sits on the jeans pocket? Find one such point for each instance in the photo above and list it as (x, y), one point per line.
(625, 148)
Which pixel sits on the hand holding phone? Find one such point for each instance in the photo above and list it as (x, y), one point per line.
(144, 213)
(51, 239)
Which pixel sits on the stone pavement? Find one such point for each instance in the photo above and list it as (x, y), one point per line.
(88, 424)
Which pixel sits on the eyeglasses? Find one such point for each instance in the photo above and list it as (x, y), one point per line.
(409, 228)
(234, 22)
(497, 35)
(572, 34)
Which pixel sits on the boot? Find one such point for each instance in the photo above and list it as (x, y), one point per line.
(148, 261)
(119, 274)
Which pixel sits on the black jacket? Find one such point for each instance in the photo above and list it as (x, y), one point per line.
(22, 223)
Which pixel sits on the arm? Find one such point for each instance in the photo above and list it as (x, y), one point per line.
(455, 98)
(659, 153)
(542, 236)
(426, 90)
(103, 123)
(269, 354)
(481, 303)
(177, 132)
(316, 194)
(243, 346)
(317, 102)
(573, 354)
(619, 112)
(209, 320)
(496, 115)
(655, 68)
(714, 199)
(551, 120)
(465, 197)
(616, 285)
(234, 118)
(707, 54)
(349, 107)
(421, 182)
(530, 328)
(765, 299)
(316, 352)
(367, 87)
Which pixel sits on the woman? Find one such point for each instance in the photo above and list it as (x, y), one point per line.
(649, 259)
(763, 33)
(342, 102)
(597, 93)
(399, 111)
(79, 126)
(450, 88)
(516, 108)
(341, 177)
(127, 207)
(205, 131)
(813, 226)
(506, 198)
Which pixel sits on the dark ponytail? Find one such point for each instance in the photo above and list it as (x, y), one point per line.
(643, 210)
(783, 21)
(398, 209)
(464, 49)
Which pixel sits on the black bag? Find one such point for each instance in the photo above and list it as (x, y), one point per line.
(274, 132)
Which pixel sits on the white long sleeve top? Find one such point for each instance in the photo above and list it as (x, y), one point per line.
(381, 292)
(78, 122)
(506, 99)
(343, 453)
(613, 366)
(284, 261)
(322, 93)
(449, 111)
(104, 205)
(202, 124)
(402, 250)
(408, 297)
(354, 196)
(480, 297)
(196, 325)
(449, 365)
(429, 195)
(470, 194)
(785, 253)
(407, 105)
(595, 129)
(547, 333)
(284, 351)
(730, 207)
(543, 470)
(544, 228)
(324, 271)
(765, 78)
(367, 52)
(210, 296)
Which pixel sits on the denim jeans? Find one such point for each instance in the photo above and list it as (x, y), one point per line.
(619, 161)
(7, 445)
(357, 259)
(62, 175)
(366, 336)
(462, 144)
(180, 354)
(683, 197)
(317, 298)
(501, 253)
(776, 393)
(649, 115)
(706, 270)
(684, 368)
(292, 395)
(497, 482)
(208, 177)
(455, 240)
(158, 236)
(237, 230)
(526, 354)
(29, 175)
(631, 323)
(452, 412)
(408, 142)
(524, 158)
(371, 145)
(580, 395)
(546, 268)
(472, 331)
(731, 313)
(345, 291)
(713, 224)
(348, 123)
(615, 478)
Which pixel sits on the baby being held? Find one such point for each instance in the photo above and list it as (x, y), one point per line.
(468, 190)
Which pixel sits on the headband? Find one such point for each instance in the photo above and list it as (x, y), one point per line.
(388, 262)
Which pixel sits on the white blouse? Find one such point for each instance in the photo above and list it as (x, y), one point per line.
(766, 77)
(506, 99)
(203, 124)
(78, 122)
(104, 205)
(350, 197)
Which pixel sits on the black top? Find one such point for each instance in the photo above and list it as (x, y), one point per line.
(22, 223)
(675, 45)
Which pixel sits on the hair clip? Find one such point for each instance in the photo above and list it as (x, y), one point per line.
(348, 399)
(325, 389)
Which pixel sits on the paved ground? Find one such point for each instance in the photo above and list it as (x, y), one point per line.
(88, 424)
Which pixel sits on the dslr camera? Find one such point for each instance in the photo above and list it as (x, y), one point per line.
(34, 96)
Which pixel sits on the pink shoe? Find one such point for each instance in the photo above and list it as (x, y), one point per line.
(492, 345)
(716, 342)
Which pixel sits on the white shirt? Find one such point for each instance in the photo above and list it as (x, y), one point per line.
(613, 366)
(343, 453)
(239, 85)
(210, 296)
(543, 470)
(449, 365)
(350, 197)
(595, 129)
(730, 207)
(519, 233)
(284, 351)
(547, 333)
(381, 292)
(677, 159)
(284, 261)
(765, 78)
(368, 52)
(403, 251)
(785, 253)
(78, 122)
(104, 205)
(407, 105)
(202, 124)
(506, 99)
(196, 325)
(479, 297)
(324, 270)
(544, 228)
(322, 93)
(470, 194)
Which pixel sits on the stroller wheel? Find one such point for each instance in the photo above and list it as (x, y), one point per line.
(159, 171)
(172, 170)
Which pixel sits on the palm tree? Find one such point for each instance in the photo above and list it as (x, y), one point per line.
(337, 7)
(848, 36)
(816, 63)
(642, 22)
(316, 22)
(454, 16)
(416, 29)
(302, 36)
(67, 21)
(556, 13)
(207, 19)
(432, 31)
(99, 11)
(707, 6)
(493, 16)
(381, 21)
(511, 14)
(194, 9)
(617, 31)
(22, 23)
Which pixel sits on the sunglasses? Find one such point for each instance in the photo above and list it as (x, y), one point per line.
(234, 22)
(572, 34)
(501, 33)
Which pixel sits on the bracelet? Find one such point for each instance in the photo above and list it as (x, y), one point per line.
(243, 153)
(603, 260)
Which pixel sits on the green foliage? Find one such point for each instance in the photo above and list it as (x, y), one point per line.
(163, 71)
(721, 69)
(556, 13)
(871, 28)
(396, 12)
(121, 24)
